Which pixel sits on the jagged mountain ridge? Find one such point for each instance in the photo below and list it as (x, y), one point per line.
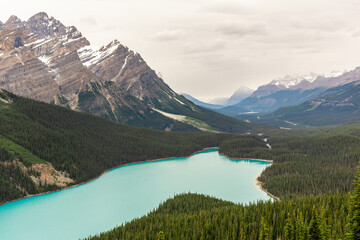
(43, 59)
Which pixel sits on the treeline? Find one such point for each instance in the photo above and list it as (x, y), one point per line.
(192, 216)
(317, 162)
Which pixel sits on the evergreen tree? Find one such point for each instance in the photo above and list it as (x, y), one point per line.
(161, 235)
(264, 230)
(289, 229)
(314, 228)
(353, 227)
(300, 227)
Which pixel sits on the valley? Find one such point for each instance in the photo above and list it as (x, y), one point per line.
(302, 163)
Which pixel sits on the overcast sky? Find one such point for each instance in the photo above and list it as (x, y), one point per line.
(209, 48)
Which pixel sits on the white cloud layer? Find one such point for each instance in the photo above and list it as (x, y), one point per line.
(209, 48)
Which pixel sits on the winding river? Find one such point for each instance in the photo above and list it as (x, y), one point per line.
(127, 192)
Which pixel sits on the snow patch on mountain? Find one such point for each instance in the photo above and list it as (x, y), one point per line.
(91, 55)
(45, 59)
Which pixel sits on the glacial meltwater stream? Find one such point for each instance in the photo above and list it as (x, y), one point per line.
(128, 192)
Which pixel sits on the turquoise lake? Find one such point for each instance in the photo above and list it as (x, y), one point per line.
(127, 192)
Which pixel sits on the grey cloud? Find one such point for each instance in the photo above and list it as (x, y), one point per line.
(320, 25)
(168, 35)
(241, 30)
(311, 51)
(355, 33)
(227, 8)
(88, 21)
(204, 48)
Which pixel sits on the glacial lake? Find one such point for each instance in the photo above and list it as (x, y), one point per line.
(127, 192)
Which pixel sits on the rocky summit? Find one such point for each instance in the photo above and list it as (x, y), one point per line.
(44, 60)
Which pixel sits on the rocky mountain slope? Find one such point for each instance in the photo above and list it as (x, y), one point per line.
(42, 59)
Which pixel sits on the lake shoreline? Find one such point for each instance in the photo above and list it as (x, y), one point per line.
(147, 161)
(255, 159)
(106, 171)
(257, 182)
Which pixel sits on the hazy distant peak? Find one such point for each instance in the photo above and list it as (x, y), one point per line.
(241, 93)
(243, 89)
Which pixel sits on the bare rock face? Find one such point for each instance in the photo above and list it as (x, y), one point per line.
(125, 68)
(39, 59)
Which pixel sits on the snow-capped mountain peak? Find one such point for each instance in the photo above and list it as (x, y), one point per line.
(293, 80)
(290, 81)
(334, 74)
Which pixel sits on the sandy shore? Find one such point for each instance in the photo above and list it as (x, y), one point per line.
(258, 183)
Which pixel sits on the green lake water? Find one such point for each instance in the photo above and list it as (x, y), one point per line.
(127, 192)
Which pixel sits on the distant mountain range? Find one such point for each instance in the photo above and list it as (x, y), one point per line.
(288, 91)
(334, 106)
(42, 59)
